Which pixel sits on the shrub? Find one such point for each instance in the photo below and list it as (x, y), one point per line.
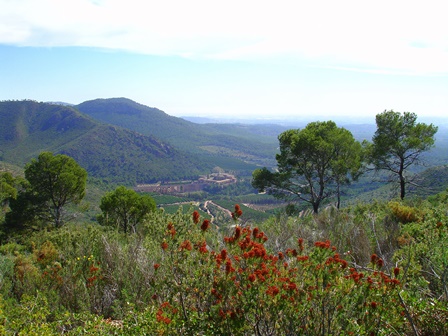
(403, 213)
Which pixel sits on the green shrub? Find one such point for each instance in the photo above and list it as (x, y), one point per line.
(403, 213)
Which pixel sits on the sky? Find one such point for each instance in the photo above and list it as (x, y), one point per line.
(235, 59)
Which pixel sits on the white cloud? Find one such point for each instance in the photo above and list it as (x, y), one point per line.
(394, 36)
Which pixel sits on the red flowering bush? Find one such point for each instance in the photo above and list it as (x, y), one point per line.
(239, 287)
(183, 276)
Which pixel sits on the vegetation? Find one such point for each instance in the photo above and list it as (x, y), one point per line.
(311, 161)
(179, 275)
(53, 182)
(125, 209)
(216, 267)
(240, 145)
(107, 152)
(399, 143)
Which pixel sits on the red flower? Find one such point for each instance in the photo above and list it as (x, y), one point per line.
(252, 277)
(205, 225)
(171, 229)
(324, 245)
(224, 254)
(237, 213)
(196, 217)
(300, 241)
(380, 263)
(164, 245)
(237, 232)
(186, 245)
(156, 266)
(373, 258)
(272, 290)
(229, 267)
(202, 246)
(255, 232)
(396, 271)
(395, 281)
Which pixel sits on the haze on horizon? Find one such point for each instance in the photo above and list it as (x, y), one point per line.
(234, 59)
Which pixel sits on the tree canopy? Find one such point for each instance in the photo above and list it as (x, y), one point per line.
(7, 188)
(54, 181)
(125, 208)
(313, 163)
(398, 143)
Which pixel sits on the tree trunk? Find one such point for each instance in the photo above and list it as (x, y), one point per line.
(315, 207)
(58, 217)
(402, 180)
(338, 192)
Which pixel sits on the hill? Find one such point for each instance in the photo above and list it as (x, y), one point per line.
(105, 151)
(248, 145)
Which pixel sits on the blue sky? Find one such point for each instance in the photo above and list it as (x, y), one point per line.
(233, 59)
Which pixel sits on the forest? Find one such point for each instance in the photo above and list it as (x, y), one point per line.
(131, 267)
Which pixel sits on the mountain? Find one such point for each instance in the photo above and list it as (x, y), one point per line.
(216, 143)
(430, 181)
(105, 151)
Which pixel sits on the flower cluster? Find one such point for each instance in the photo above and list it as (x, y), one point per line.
(94, 275)
(162, 312)
(196, 217)
(237, 213)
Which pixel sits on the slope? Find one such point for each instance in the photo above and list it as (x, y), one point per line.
(210, 141)
(105, 151)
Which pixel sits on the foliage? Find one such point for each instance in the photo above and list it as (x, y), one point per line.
(398, 143)
(54, 181)
(424, 256)
(9, 186)
(404, 213)
(125, 208)
(311, 161)
(181, 275)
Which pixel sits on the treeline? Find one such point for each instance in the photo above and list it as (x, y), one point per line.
(315, 163)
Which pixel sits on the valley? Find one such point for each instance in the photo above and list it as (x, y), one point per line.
(167, 234)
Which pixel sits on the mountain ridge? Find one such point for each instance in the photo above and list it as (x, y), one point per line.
(206, 140)
(105, 151)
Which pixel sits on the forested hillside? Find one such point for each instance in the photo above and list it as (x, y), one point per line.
(109, 152)
(236, 142)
